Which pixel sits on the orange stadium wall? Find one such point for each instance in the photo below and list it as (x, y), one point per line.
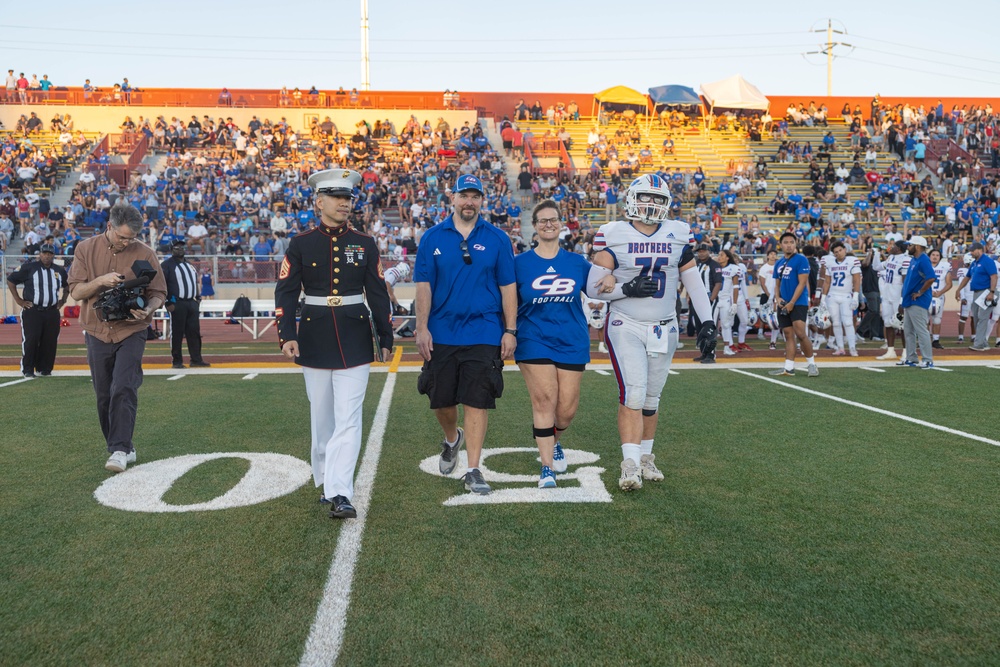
(109, 118)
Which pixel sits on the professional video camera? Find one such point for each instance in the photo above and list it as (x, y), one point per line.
(119, 302)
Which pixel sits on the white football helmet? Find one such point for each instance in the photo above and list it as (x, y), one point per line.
(937, 306)
(819, 317)
(753, 318)
(896, 321)
(404, 270)
(648, 199)
(967, 259)
(771, 320)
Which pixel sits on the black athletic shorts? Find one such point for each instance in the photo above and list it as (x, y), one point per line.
(558, 364)
(798, 314)
(470, 375)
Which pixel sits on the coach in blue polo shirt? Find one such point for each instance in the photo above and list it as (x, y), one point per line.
(916, 305)
(982, 280)
(466, 311)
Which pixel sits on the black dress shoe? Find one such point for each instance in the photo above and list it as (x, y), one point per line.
(177, 366)
(343, 509)
(200, 364)
(323, 500)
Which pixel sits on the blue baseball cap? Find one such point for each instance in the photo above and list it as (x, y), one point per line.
(468, 182)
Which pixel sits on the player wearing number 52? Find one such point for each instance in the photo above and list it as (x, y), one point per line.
(339, 270)
(650, 256)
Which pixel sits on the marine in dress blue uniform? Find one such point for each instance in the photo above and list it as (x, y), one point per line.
(346, 308)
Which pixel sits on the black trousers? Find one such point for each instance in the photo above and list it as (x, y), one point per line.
(871, 325)
(40, 334)
(116, 369)
(185, 323)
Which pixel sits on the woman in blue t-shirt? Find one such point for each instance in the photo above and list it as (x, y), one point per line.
(553, 342)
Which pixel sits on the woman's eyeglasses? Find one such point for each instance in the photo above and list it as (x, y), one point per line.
(466, 257)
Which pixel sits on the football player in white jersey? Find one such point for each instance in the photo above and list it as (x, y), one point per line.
(891, 270)
(941, 287)
(393, 276)
(729, 297)
(596, 312)
(767, 286)
(965, 298)
(841, 293)
(649, 255)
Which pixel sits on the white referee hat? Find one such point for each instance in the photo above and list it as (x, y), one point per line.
(336, 182)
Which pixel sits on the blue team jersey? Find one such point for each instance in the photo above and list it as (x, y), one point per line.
(550, 320)
(787, 272)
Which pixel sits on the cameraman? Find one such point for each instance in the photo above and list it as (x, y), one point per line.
(114, 348)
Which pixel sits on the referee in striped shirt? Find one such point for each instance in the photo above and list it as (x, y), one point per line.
(44, 294)
(182, 303)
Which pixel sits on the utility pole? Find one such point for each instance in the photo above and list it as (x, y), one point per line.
(827, 50)
(365, 79)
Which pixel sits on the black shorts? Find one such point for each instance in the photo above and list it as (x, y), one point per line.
(468, 374)
(798, 314)
(558, 364)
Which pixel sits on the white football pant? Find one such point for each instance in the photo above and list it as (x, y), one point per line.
(641, 355)
(842, 316)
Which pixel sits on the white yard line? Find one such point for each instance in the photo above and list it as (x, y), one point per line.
(250, 376)
(601, 372)
(673, 372)
(175, 377)
(873, 370)
(326, 635)
(24, 379)
(887, 413)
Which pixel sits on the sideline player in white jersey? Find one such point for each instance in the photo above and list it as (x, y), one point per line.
(596, 312)
(729, 296)
(941, 287)
(841, 293)
(649, 256)
(965, 298)
(742, 306)
(767, 286)
(394, 276)
(892, 270)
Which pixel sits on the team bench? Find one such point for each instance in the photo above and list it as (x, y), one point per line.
(261, 309)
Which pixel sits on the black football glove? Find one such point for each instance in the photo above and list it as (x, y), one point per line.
(706, 338)
(640, 286)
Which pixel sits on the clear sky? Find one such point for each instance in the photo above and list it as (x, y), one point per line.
(517, 45)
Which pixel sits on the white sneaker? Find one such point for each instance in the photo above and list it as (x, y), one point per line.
(130, 457)
(631, 477)
(884, 346)
(602, 348)
(648, 468)
(728, 351)
(117, 462)
(559, 463)
(680, 345)
(890, 355)
(854, 352)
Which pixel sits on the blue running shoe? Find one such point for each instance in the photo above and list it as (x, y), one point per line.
(547, 480)
(559, 460)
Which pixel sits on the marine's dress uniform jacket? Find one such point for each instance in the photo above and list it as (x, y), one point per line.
(338, 262)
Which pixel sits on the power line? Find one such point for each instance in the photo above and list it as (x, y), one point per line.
(926, 50)
(436, 40)
(920, 71)
(928, 60)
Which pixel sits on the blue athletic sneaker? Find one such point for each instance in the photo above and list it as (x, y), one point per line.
(904, 362)
(927, 365)
(547, 480)
(559, 459)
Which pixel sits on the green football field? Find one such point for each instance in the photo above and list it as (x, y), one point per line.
(791, 529)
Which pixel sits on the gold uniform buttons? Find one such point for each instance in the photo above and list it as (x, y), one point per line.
(336, 259)
(335, 291)
(314, 263)
(336, 249)
(336, 270)
(336, 281)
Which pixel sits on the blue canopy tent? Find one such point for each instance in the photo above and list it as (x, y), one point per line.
(672, 95)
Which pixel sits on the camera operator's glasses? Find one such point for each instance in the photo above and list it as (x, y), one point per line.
(124, 240)
(547, 222)
(466, 257)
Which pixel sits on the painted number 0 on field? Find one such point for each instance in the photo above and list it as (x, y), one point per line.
(141, 489)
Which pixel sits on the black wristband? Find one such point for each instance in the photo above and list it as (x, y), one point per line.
(512, 332)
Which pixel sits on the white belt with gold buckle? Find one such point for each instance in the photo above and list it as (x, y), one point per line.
(334, 301)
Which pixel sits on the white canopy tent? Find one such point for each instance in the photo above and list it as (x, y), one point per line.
(734, 93)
